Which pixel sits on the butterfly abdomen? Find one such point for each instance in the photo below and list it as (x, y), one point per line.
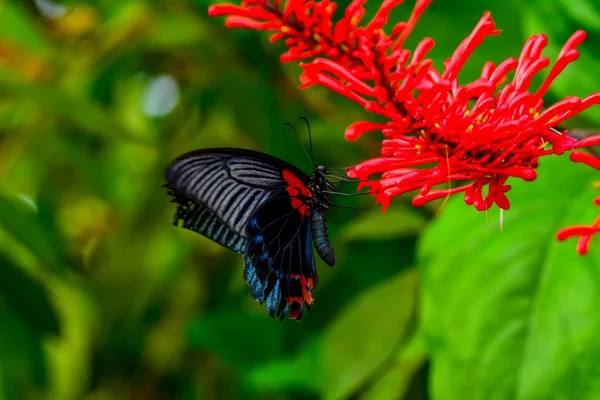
(321, 238)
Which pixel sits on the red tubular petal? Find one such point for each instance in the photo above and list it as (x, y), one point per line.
(485, 27)
(487, 70)
(418, 10)
(358, 129)
(324, 65)
(420, 200)
(589, 101)
(256, 12)
(554, 112)
(502, 201)
(576, 230)
(583, 244)
(575, 40)
(585, 158)
(381, 16)
(525, 173)
(248, 23)
(503, 69)
(560, 65)
(523, 80)
(217, 10)
(422, 49)
(276, 36)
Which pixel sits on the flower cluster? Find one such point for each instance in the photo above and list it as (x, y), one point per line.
(441, 137)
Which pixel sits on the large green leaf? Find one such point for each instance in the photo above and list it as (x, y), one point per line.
(395, 382)
(401, 221)
(512, 313)
(361, 341)
(366, 335)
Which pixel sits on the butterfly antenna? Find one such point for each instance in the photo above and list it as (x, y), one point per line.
(299, 141)
(354, 208)
(348, 194)
(341, 178)
(312, 156)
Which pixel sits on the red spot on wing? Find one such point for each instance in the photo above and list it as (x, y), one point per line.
(297, 191)
(307, 287)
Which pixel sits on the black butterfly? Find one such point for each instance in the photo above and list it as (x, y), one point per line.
(264, 208)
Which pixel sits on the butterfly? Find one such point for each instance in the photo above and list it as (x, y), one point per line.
(264, 208)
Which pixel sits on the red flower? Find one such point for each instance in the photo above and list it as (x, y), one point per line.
(479, 134)
(438, 131)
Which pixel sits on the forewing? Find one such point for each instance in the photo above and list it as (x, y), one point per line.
(279, 259)
(229, 183)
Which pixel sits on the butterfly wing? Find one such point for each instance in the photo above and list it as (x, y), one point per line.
(218, 190)
(279, 259)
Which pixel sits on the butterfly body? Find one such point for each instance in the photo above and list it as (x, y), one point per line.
(264, 208)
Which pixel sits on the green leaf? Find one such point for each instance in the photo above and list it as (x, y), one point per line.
(239, 338)
(398, 376)
(26, 225)
(293, 373)
(399, 221)
(512, 313)
(366, 334)
(27, 298)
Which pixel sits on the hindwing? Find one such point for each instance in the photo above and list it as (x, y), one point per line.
(279, 259)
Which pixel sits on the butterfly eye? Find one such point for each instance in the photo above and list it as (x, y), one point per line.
(322, 168)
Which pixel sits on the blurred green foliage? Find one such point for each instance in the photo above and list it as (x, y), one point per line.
(101, 298)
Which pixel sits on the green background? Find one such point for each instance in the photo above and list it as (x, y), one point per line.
(102, 298)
